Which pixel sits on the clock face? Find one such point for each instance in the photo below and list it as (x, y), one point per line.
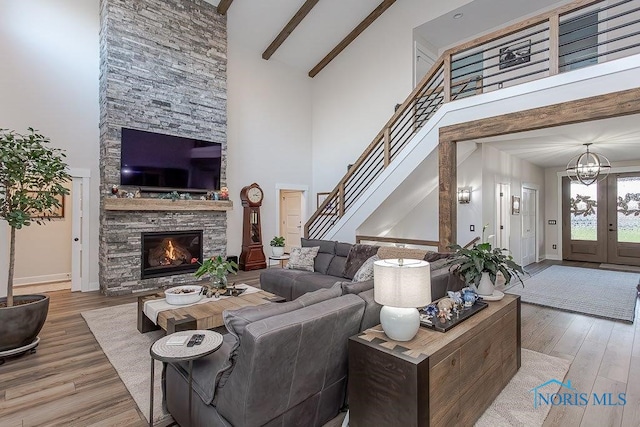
(254, 195)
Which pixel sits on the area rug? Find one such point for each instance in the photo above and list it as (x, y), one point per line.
(128, 351)
(601, 293)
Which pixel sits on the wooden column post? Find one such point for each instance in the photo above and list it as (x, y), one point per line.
(448, 173)
(554, 44)
(447, 78)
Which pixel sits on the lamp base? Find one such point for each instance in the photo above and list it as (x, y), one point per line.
(400, 324)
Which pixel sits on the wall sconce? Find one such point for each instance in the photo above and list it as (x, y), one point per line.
(464, 195)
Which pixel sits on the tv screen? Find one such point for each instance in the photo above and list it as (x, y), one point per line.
(167, 162)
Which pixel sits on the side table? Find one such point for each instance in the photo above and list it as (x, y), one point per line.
(281, 258)
(181, 353)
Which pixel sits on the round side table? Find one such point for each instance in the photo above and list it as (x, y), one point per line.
(181, 353)
(281, 259)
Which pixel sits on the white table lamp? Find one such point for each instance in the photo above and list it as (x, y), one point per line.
(401, 285)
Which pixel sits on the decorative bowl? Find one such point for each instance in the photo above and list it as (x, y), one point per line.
(181, 295)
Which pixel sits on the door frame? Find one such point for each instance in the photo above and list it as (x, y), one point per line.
(536, 188)
(80, 220)
(560, 175)
(304, 211)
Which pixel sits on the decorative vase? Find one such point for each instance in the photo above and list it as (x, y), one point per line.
(219, 283)
(277, 251)
(486, 287)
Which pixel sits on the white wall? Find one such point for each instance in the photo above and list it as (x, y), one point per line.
(50, 244)
(355, 95)
(470, 175)
(269, 132)
(49, 81)
(500, 167)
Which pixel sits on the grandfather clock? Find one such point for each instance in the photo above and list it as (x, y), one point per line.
(252, 256)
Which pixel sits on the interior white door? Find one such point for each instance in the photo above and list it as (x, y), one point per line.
(76, 234)
(528, 213)
(291, 218)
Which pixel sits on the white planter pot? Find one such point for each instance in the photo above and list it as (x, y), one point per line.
(486, 286)
(277, 250)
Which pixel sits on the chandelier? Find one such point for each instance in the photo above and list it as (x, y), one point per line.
(588, 167)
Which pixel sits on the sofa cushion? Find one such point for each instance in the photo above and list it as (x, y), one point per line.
(336, 268)
(391, 252)
(210, 372)
(358, 254)
(325, 253)
(356, 287)
(311, 282)
(371, 316)
(320, 295)
(438, 264)
(365, 272)
(237, 320)
(302, 258)
(280, 281)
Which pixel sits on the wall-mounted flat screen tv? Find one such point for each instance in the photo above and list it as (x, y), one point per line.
(154, 161)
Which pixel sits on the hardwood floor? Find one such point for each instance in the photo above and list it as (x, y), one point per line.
(70, 382)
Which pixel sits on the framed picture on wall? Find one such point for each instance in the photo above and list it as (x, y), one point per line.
(515, 205)
(56, 213)
(515, 54)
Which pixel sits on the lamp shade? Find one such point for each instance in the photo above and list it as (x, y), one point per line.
(402, 283)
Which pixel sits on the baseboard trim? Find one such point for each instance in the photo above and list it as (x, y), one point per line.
(37, 280)
(552, 257)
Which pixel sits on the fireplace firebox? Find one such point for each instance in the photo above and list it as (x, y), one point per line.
(169, 253)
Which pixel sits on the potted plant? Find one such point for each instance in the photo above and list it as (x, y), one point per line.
(217, 268)
(479, 265)
(31, 184)
(277, 246)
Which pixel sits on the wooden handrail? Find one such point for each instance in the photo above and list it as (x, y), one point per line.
(425, 99)
(397, 240)
(468, 245)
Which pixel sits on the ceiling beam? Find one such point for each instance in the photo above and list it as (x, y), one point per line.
(288, 29)
(352, 36)
(224, 6)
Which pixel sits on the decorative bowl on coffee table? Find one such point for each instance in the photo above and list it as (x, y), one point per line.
(181, 295)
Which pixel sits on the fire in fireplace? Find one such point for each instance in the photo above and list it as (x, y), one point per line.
(168, 253)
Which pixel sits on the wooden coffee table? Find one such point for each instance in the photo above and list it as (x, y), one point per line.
(199, 316)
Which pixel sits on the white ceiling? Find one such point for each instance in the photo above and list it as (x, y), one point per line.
(618, 139)
(479, 16)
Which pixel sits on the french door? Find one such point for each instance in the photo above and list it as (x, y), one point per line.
(601, 222)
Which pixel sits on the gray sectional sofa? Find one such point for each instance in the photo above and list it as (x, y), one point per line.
(280, 365)
(339, 262)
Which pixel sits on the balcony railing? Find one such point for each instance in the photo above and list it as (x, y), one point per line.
(573, 36)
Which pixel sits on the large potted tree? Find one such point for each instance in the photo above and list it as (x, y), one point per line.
(32, 177)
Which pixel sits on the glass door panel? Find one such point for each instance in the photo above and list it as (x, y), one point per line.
(583, 207)
(624, 219)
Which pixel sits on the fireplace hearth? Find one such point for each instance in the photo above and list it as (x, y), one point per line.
(169, 253)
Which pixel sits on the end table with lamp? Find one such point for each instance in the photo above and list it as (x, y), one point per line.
(164, 351)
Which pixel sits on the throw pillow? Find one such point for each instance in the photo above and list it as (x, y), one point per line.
(365, 272)
(358, 254)
(391, 252)
(432, 256)
(302, 258)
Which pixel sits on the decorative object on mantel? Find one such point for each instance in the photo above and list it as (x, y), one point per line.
(174, 195)
(252, 256)
(479, 265)
(588, 168)
(401, 285)
(217, 268)
(277, 246)
(33, 177)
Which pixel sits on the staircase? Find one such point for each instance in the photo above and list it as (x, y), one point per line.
(491, 69)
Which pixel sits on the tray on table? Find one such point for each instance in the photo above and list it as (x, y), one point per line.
(443, 326)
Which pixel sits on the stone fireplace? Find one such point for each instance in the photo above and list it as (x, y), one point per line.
(163, 70)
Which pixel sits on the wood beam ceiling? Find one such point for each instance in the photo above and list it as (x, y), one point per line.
(288, 29)
(223, 7)
(352, 36)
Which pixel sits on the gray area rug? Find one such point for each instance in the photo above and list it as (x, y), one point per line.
(128, 351)
(601, 293)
